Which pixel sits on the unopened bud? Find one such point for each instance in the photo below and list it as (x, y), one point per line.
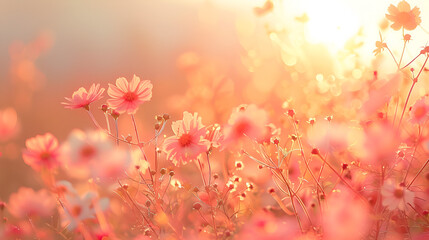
(197, 206)
(115, 114)
(166, 116)
(315, 151)
(104, 107)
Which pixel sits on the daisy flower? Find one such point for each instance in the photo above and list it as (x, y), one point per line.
(188, 142)
(396, 197)
(82, 98)
(127, 96)
(26, 202)
(42, 152)
(403, 16)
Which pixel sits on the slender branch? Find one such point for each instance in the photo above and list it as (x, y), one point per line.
(420, 171)
(394, 59)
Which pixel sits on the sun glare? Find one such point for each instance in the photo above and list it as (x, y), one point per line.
(330, 22)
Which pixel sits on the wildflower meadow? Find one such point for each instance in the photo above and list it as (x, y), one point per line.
(261, 119)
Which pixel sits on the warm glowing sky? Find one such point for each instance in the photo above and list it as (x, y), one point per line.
(332, 22)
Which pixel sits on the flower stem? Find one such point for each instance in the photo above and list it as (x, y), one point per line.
(403, 50)
(411, 61)
(394, 59)
(411, 89)
(341, 177)
(420, 171)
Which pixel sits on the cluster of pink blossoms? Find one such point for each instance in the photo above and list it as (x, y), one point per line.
(257, 176)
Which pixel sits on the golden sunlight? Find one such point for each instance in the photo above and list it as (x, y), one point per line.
(330, 22)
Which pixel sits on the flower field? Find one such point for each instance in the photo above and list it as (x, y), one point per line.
(262, 119)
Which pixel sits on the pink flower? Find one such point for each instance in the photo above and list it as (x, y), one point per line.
(266, 226)
(92, 153)
(79, 208)
(27, 203)
(333, 137)
(381, 143)
(189, 141)
(111, 166)
(42, 152)
(81, 98)
(247, 121)
(396, 197)
(9, 125)
(214, 136)
(345, 217)
(126, 97)
(419, 113)
(82, 149)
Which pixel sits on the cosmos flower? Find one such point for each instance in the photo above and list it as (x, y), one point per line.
(26, 202)
(83, 147)
(127, 96)
(403, 16)
(396, 197)
(111, 166)
(266, 226)
(93, 154)
(82, 98)
(419, 113)
(214, 135)
(247, 121)
(42, 152)
(188, 142)
(380, 144)
(79, 208)
(345, 217)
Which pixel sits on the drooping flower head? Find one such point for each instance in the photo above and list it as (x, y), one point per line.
(127, 96)
(28, 203)
(247, 121)
(419, 113)
(42, 152)
(188, 142)
(82, 98)
(403, 16)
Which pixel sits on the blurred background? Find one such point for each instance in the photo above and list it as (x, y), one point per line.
(201, 55)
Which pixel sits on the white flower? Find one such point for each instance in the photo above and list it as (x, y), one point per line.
(396, 197)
